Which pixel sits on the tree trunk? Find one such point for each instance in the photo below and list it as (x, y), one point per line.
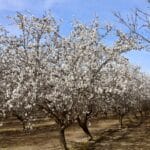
(121, 121)
(106, 115)
(135, 116)
(24, 126)
(141, 117)
(83, 125)
(62, 138)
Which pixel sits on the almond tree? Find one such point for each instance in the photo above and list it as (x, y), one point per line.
(67, 77)
(23, 57)
(93, 58)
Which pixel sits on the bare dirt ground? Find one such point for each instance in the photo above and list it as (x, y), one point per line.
(45, 136)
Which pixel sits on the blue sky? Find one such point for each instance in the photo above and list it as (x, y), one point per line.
(83, 10)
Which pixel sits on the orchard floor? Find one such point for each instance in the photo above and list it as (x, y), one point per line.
(106, 133)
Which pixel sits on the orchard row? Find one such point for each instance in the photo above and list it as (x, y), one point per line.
(72, 78)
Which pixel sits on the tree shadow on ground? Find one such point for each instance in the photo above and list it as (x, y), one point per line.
(131, 137)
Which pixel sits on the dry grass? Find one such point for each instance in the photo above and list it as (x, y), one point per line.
(45, 137)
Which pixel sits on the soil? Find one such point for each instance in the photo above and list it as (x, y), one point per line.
(45, 136)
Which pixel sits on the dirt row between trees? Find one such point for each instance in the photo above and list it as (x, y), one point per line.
(106, 133)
